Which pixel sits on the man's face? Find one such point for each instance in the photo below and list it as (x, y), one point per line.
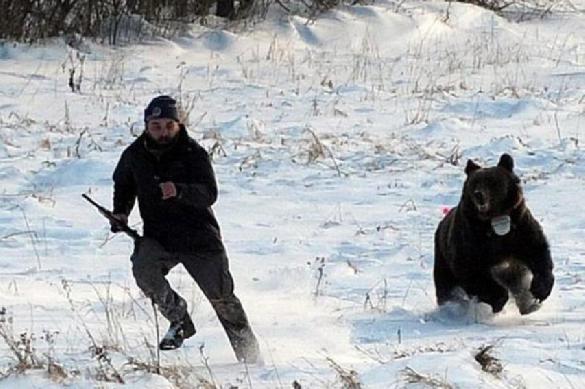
(162, 130)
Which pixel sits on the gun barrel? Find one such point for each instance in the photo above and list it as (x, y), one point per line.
(110, 216)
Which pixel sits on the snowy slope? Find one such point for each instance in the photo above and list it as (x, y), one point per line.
(336, 144)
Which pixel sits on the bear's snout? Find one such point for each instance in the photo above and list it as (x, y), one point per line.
(481, 201)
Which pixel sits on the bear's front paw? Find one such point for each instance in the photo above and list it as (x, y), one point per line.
(541, 286)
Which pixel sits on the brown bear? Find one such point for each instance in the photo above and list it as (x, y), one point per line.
(490, 245)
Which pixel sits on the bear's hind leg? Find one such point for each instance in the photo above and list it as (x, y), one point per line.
(445, 283)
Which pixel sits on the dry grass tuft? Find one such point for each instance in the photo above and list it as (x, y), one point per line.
(349, 378)
(488, 362)
(413, 377)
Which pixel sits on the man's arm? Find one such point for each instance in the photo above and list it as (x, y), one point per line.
(202, 192)
(124, 187)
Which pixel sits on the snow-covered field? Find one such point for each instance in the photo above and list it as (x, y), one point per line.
(337, 144)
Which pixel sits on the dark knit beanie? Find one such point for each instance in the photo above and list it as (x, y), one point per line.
(161, 107)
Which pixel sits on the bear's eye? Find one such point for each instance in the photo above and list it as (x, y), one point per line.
(479, 197)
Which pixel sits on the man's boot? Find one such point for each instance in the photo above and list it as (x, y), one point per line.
(178, 331)
(247, 350)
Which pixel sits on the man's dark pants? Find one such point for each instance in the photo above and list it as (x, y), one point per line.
(151, 263)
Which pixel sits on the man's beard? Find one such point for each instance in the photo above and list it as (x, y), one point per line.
(165, 140)
(161, 144)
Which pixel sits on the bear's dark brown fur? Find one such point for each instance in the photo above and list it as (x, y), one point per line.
(485, 253)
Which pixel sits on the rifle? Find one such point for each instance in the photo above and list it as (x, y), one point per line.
(110, 216)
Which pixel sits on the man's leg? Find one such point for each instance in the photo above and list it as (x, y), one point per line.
(211, 272)
(150, 264)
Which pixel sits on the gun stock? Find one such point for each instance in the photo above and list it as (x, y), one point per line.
(110, 216)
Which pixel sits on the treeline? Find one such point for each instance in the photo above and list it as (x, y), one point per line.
(115, 21)
(108, 20)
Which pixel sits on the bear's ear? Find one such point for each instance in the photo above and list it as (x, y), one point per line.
(506, 162)
(471, 167)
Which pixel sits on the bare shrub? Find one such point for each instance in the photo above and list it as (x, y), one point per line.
(517, 9)
(377, 297)
(316, 150)
(319, 265)
(24, 351)
(494, 5)
(106, 370)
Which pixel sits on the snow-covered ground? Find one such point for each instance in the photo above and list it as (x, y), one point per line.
(337, 144)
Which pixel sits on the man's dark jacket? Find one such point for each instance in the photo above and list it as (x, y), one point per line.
(184, 224)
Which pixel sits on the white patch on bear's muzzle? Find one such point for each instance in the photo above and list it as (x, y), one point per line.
(501, 225)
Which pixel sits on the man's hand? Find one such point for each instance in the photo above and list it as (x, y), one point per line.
(115, 227)
(168, 189)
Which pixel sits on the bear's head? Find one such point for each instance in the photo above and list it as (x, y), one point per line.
(494, 192)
